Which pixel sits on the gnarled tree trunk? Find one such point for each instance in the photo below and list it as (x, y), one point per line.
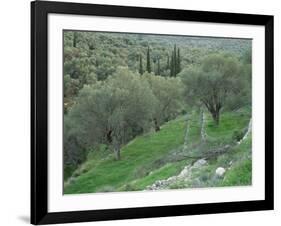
(216, 117)
(117, 154)
(109, 136)
(116, 148)
(156, 126)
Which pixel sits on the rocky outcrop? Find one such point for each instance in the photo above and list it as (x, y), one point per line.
(183, 176)
(188, 173)
(249, 130)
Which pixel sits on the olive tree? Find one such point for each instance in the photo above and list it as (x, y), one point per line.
(168, 94)
(213, 82)
(112, 111)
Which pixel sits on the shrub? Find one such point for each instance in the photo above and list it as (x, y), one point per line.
(68, 170)
(237, 135)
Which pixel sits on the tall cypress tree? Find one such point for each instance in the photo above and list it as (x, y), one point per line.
(148, 65)
(158, 66)
(178, 61)
(75, 37)
(140, 67)
(172, 65)
(168, 62)
(175, 63)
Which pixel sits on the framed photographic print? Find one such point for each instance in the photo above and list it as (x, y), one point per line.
(145, 112)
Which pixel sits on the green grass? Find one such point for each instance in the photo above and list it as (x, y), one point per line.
(229, 123)
(237, 161)
(241, 170)
(170, 169)
(194, 128)
(241, 174)
(149, 157)
(142, 151)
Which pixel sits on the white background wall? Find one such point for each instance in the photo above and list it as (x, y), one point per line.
(15, 113)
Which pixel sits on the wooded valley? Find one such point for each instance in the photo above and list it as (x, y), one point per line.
(151, 112)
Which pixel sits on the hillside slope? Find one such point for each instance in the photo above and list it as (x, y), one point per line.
(157, 157)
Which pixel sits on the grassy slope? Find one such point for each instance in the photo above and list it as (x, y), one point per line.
(139, 166)
(238, 167)
(237, 162)
(108, 174)
(172, 168)
(229, 123)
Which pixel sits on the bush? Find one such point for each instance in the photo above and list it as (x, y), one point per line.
(67, 171)
(237, 135)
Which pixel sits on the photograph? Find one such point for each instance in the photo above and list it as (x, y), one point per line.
(141, 112)
(150, 112)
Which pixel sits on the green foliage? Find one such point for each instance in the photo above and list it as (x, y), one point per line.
(71, 86)
(158, 72)
(126, 104)
(175, 65)
(68, 170)
(168, 94)
(141, 67)
(112, 112)
(106, 51)
(168, 62)
(178, 65)
(238, 135)
(148, 64)
(211, 84)
(247, 56)
(75, 37)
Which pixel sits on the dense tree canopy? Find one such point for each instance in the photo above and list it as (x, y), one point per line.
(169, 101)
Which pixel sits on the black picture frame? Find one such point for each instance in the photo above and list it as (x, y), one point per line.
(39, 112)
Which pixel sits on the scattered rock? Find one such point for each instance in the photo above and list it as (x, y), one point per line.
(185, 147)
(229, 165)
(199, 163)
(183, 176)
(203, 132)
(220, 171)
